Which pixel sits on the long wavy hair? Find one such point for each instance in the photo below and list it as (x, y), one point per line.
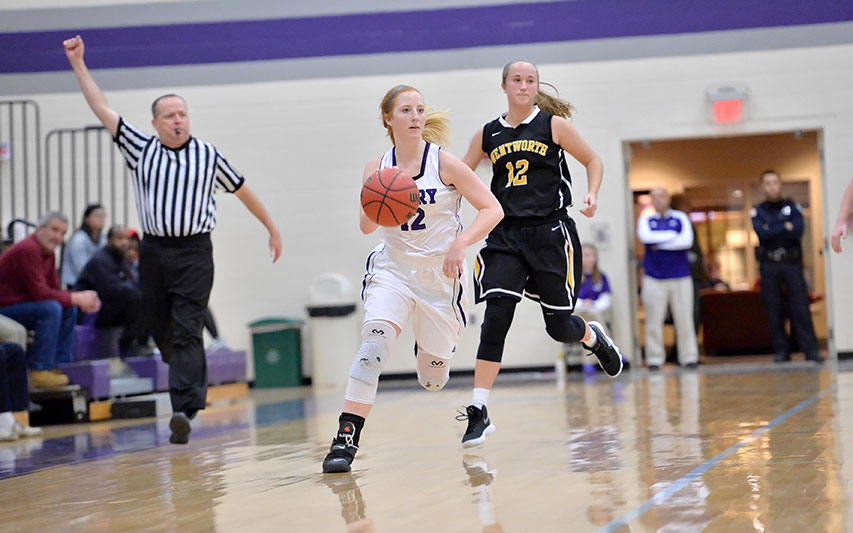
(596, 273)
(85, 225)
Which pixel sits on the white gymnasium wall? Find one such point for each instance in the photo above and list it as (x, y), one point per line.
(303, 144)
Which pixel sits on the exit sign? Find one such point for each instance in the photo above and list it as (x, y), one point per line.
(727, 105)
(728, 111)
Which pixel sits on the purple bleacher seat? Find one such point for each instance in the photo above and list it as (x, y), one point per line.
(223, 366)
(151, 367)
(94, 375)
(85, 343)
(93, 343)
(226, 366)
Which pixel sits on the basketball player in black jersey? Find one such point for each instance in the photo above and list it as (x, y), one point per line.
(535, 250)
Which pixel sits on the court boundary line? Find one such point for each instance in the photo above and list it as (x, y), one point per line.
(683, 481)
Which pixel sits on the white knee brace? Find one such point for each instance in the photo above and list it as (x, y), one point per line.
(433, 371)
(377, 341)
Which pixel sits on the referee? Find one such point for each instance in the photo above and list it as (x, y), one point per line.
(174, 179)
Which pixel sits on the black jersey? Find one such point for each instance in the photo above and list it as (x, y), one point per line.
(530, 177)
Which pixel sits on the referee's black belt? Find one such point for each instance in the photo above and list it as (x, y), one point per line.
(198, 238)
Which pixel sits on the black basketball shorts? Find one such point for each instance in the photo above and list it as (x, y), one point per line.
(542, 262)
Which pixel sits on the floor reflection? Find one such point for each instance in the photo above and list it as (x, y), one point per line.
(353, 509)
(678, 451)
(480, 478)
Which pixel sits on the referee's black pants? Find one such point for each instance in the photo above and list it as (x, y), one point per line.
(175, 276)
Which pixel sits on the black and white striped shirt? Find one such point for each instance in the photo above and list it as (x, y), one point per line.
(175, 188)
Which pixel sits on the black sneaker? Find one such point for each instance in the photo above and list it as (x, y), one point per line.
(342, 452)
(815, 358)
(608, 355)
(180, 426)
(479, 425)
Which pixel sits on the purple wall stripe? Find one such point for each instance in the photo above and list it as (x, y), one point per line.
(376, 33)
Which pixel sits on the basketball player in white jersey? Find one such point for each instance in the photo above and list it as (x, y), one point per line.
(418, 270)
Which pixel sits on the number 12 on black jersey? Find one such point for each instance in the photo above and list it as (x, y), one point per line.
(517, 175)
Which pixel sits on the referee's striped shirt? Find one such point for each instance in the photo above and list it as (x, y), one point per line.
(174, 187)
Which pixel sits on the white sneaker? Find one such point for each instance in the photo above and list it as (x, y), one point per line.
(26, 431)
(217, 345)
(8, 435)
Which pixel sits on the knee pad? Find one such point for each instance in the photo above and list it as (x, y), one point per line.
(377, 341)
(496, 323)
(433, 371)
(563, 327)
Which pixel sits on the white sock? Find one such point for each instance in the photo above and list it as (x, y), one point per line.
(592, 338)
(6, 421)
(481, 397)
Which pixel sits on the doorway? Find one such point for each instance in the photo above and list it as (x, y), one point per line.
(717, 180)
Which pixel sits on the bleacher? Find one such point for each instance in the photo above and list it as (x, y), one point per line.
(105, 385)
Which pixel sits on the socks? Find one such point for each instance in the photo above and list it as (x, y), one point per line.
(481, 397)
(350, 424)
(593, 339)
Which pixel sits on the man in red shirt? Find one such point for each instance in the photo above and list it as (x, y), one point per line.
(30, 294)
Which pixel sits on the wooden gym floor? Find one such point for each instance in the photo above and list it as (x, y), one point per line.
(732, 447)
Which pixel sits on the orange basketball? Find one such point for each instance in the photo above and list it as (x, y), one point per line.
(390, 197)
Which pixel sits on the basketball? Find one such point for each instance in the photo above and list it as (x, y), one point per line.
(389, 197)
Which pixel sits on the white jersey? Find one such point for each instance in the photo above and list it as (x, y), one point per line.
(437, 221)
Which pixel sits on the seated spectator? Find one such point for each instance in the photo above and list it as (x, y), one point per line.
(30, 294)
(133, 254)
(83, 244)
(594, 294)
(715, 282)
(593, 298)
(13, 392)
(110, 274)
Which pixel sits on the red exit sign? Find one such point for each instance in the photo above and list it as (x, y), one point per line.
(726, 111)
(727, 104)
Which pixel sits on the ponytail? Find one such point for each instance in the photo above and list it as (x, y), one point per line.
(553, 104)
(437, 127)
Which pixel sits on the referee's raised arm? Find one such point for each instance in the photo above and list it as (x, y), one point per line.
(96, 99)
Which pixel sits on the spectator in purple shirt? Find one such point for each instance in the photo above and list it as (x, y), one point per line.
(594, 295)
(593, 303)
(668, 236)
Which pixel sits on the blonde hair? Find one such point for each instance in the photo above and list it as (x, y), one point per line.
(436, 128)
(551, 103)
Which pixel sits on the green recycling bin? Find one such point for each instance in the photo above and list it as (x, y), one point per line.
(277, 345)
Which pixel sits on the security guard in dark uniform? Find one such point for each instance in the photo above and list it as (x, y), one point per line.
(779, 224)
